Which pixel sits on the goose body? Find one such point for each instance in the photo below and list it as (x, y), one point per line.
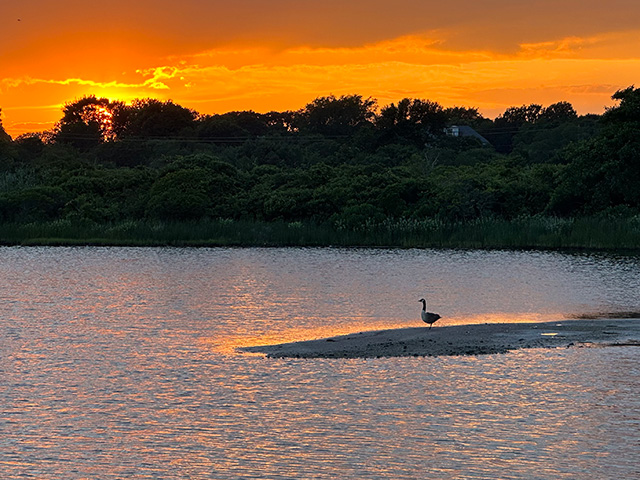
(428, 317)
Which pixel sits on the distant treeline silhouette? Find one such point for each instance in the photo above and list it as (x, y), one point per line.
(340, 162)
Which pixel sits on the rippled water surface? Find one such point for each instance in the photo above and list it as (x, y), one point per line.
(121, 363)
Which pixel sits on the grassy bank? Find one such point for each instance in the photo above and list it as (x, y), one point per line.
(530, 232)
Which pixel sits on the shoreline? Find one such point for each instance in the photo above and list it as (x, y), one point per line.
(527, 233)
(477, 339)
(103, 243)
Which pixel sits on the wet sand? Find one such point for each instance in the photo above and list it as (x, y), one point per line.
(462, 339)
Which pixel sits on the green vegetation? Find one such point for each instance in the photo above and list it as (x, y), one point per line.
(340, 171)
(526, 232)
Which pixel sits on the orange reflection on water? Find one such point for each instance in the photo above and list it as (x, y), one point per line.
(229, 345)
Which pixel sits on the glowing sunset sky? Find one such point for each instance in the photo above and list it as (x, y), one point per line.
(216, 56)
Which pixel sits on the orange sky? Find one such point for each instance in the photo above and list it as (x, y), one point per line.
(216, 56)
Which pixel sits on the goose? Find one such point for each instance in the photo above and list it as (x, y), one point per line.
(428, 317)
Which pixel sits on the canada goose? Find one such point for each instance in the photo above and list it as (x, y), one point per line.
(428, 317)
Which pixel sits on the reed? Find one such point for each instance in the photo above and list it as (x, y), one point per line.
(487, 233)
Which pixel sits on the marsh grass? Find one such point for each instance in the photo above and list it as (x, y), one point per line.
(522, 233)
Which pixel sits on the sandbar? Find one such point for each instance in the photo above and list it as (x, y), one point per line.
(479, 339)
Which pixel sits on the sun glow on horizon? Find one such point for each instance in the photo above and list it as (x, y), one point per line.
(269, 75)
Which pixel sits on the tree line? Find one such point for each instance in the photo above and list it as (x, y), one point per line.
(339, 161)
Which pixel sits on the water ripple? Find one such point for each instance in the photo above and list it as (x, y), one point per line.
(119, 363)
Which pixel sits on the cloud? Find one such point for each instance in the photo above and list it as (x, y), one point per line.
(418, 63)
(584, 70)
(153, 83)
(611, 45)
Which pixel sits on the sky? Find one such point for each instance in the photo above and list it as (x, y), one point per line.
(217, 56)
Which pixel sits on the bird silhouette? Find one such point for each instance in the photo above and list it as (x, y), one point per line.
(428, 317)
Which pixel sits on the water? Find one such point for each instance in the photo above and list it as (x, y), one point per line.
(121, 363)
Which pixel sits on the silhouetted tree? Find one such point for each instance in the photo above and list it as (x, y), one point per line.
(4, 136)
(30, 146)
(280, 122)
(414, 120)
(7, 150)
(149, 118)
(628, 110)
(221, 129)
(430, 116)
(558, 112)
(253, 123)
(86, 122)
(507, 125)
(463, 115)
(336, 116)
(518, 116)
(296, 166)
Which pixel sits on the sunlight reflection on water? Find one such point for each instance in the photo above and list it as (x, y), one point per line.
(120, 363)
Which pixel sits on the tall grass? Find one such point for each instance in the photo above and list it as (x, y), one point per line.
(522, 233)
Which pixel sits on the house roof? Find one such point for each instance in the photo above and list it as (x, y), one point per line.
(466, 131)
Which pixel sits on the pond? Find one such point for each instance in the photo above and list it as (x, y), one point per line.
(122, 363)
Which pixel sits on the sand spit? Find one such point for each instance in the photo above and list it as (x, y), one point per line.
(462, 339)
